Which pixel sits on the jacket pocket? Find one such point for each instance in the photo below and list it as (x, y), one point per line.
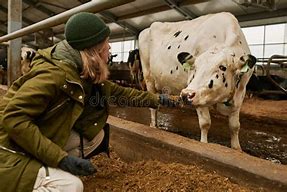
(8, 161)
(55, 109)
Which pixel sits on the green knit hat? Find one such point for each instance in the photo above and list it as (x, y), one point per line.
(84, 30)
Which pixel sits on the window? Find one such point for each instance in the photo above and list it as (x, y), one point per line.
(268, 40)
(121, 49)
(254, 35)
(275, 33)
(273, 50)
(256, 50)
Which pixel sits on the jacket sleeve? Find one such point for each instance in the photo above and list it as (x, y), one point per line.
(124, 96)
(31, 99)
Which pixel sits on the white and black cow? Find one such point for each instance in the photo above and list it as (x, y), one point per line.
(205, 60)
(3, 65)
(135, 67)
(27, 54)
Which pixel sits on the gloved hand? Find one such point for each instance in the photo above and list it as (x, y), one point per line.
(77, 166)
(168, 101)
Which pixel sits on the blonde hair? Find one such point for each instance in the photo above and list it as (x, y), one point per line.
(94, 67)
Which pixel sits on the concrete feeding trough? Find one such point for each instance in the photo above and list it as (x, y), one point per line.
(133, 142)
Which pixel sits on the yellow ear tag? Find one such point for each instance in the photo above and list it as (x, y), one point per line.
(187, 66)
(245, 68)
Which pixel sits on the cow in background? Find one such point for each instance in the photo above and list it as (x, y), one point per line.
(263, 87)
(135, 67)
(111, 57)
(27, 55)
(3, 65)
(205, 60)
(3, 75)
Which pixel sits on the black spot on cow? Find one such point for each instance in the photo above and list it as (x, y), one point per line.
(210, 85)
(176, 68)
(240, 42)
(222, 68)
(183, 57)
(177, 33)
(186, 37)
(224, 79)
(226, 84)
(214, 36)
(190, 80)
(168, 47)
(193, 76)
(171, 71)
(217, 76)
(178, 47)
(30, 55)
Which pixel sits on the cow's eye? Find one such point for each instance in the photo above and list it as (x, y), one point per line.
(222, 68)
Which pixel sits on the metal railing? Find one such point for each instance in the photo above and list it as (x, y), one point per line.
(280, 60)
(92, 6)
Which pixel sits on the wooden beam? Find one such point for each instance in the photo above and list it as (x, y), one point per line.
(262, 15)
(123, 24)
(37, 5)
(159, 9)
(14, 49)
(181, 10)
(24, 19)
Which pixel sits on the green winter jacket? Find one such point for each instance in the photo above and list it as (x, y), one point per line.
(41, 107)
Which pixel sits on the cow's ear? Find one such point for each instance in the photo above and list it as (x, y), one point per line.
(246, 62)
(186, 60)
(184, 57)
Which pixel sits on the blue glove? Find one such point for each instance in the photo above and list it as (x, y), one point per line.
(167, 101)
(77, 166)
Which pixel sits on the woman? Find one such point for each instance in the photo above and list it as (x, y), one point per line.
(57, 112)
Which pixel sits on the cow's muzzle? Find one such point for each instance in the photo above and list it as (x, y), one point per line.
(187, 96)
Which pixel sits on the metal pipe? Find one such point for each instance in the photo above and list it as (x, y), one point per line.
(4, 43)
(92, 6)
(276, 59)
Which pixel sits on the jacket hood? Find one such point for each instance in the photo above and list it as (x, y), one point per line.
(63, 51)
(63, 56)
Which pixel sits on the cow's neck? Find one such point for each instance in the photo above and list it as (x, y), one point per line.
(229, 101)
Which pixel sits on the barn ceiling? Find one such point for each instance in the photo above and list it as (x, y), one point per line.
(126, 21)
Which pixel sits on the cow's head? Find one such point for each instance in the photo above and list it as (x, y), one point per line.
(27, 55)
(214, 75)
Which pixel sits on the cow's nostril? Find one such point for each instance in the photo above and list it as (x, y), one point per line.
(187, 97)
(190, 96)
